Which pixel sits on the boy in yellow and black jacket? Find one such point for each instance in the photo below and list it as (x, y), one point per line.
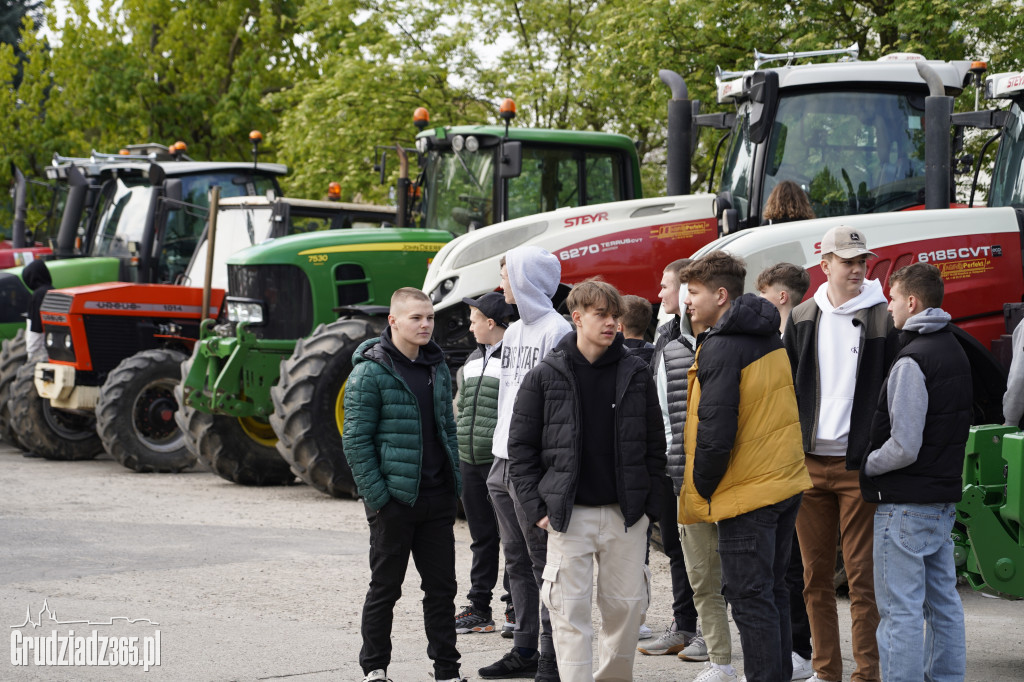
(744, 457)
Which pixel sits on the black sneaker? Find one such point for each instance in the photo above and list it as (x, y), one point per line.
(511, 665)
(473, 620)
(509, 626)
(547, 669)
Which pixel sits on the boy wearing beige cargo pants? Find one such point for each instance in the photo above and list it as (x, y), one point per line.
(587, 457)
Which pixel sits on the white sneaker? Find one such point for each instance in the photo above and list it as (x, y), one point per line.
(376, 676)
(815, 678)
(713, 674)
(645, 632)
(801, 667)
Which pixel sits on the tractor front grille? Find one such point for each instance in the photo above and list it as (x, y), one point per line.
(112, 339)
(286, 296)
(56, 302)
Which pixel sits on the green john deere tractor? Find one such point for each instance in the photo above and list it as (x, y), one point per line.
(262, 394)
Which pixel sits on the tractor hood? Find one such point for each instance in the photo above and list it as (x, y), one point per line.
(304, 249)
(977, 250)
(627, 242)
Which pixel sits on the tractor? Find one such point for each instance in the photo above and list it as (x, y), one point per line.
(27, 244)
(108, 230)
(850, 132)
(115, 349)
(263, 391)
(979, 252)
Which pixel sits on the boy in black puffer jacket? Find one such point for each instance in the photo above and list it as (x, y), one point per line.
(587, 458)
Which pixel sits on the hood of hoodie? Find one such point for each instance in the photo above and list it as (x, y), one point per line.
(534, 275)
(36, 274)
(870, 295)
(928, 321)
(750, 314)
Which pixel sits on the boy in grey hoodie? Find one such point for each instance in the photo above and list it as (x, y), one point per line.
(913, 472)
(529, 277)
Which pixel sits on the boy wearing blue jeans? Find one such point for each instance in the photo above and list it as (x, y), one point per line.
(913, 472)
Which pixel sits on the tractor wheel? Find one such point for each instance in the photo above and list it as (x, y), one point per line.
(241, 450)
(47, 431)
(309, 405)
(12, 357)
(135, 413)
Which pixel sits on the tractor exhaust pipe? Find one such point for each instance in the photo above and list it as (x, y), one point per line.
(73, 206)
(211, 244)
(938, 111)
(680, 125)
(20, 209)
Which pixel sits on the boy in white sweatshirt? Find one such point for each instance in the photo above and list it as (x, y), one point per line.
(840, 345)
(529, 277)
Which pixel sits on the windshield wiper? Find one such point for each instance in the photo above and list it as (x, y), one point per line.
(472, 177)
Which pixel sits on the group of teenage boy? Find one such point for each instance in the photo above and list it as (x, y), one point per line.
(765, 427)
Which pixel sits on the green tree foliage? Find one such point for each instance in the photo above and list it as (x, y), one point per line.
(377, 62)
(329, 80)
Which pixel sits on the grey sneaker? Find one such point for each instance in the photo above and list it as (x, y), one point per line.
(376, 676)
(508, 627)
(645, 632)
(672, 641)
(696, 650)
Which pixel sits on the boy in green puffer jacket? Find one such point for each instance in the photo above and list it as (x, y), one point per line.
(477, 413)
(400, 441)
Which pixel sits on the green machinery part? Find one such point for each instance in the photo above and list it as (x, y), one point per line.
(988, 542)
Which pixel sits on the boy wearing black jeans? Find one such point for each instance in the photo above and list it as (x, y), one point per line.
(477, 406)
(744, 458)
(400, 441)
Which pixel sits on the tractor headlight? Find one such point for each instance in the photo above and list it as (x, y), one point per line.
(49, 339)
(442, 290)
(67, 342)
(245, 310)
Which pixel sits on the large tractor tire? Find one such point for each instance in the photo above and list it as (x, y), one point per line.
(12, 357)
(135, 413)
(47, 431)
(309, 407)
(240, 450)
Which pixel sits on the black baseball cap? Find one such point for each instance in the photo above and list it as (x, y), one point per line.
(492, 305)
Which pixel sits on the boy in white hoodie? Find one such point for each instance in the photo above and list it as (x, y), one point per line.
(529, 277)
(840, 345)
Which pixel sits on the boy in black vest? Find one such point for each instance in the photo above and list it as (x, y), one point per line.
(913, 472)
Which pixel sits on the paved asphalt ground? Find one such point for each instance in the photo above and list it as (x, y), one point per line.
(263, 583)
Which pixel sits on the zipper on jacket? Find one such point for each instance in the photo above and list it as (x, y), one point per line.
(616, 449)
(578, 437)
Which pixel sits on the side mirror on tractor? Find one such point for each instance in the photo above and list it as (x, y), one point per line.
(510, 159)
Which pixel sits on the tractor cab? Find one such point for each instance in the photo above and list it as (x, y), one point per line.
(472, 176)
(110, 229)
(1007, 180)
(850, 133)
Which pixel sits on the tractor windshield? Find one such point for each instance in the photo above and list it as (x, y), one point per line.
(458, 191)
(237, 228)
(1007, 178)
(124, 211)
(852, 152)
(122, 217)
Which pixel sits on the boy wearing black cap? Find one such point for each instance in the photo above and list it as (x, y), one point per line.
(477, 407)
